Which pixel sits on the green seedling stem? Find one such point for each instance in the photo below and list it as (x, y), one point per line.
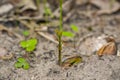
(38, 4)
(60, 35)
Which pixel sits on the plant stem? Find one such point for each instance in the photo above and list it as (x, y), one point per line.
(61, 17)
(60, 35)
(38, 4)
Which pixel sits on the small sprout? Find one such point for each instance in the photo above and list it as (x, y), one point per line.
(22, 63)
(74, 27)
(29, 45)
(68, 34)
(71, 61)
(48, 11)
(26, 33)
(71, 34)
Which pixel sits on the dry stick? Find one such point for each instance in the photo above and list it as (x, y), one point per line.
(47, 37)
(40, 33)
(14, 18)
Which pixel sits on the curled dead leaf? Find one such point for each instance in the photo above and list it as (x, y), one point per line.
(4, 54)
(71, 61)
(109, 48)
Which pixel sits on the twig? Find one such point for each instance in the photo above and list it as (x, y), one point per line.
(21, 18)
(47, 37)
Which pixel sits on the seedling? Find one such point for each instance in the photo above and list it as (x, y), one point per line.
(59, 35)
(29, 45)
(26, 33)
(70, 61)
(22, 63)
(71, 34)
(47, 10)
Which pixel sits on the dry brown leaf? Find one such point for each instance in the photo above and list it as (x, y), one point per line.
(109, 48)
(4, 54)
(71, 61)
(106, 6)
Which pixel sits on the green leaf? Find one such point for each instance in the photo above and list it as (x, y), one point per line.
(22, 63)
(29, 45)
(30, 48)
(18, 65)
(68, 34)
(74, 27)
(71, 61)
(23, 44)
(21, 59)
(48, 11)
(26, 33)
(31, 42)
(26, 66)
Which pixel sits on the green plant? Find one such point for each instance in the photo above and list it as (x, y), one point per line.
(22, 63)
(26, 33)
(71, 34)
(47, 10)
(68, 34)
(70, 61)
(29, 45)
(59, 35)
(38, 4)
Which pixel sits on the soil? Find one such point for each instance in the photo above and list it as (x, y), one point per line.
(44, 66)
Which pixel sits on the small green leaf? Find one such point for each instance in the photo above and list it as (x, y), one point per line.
(32, 42)
(22, 63)
(68, 34)
(48, 11)
(18, 65)
(30, 48)
(74, 27)
(29, 45)
(26, 66)
(21, 59)
(26, 33)
(23, 44)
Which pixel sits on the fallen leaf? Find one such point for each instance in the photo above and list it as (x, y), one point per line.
(109, 48)
(4, 54)
(71, 61)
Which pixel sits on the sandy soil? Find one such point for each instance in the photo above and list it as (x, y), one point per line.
(44, 63)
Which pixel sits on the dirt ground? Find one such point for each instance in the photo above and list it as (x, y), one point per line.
(43, 66)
